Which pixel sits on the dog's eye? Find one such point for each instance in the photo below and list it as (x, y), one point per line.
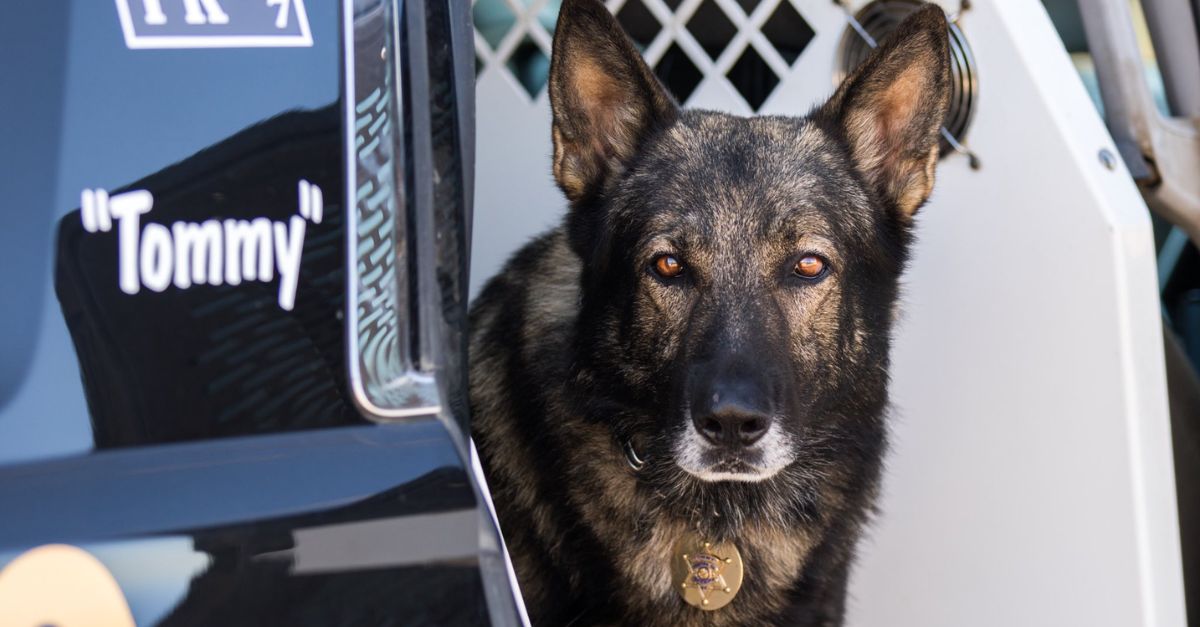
(810, 267)
(667, 266)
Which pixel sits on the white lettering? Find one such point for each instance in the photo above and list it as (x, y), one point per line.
(128, 209)
(287, 258)
(154, 13)
(253, 239)
(211, 13)
(197, 243)
(281, 18)
(202, 253)
(156, 257)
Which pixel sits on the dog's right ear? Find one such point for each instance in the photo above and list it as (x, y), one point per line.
(604, 97)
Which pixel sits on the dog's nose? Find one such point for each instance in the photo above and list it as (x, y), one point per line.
(733, 415)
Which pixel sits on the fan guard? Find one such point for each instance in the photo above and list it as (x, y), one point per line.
(881, 17)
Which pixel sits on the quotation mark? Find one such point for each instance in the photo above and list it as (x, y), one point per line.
(312, 202)
(96, 210)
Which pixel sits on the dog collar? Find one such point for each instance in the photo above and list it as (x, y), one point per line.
(706, 575)
(631, 456)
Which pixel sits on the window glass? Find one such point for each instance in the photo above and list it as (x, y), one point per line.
(174, 267)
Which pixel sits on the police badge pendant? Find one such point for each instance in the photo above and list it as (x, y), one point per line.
(706, 575)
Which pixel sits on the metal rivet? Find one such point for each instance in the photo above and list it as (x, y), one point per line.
(1108, 159)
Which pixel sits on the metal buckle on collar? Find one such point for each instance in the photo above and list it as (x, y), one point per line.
(631, 456)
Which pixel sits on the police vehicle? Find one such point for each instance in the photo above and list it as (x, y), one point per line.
(232, 360)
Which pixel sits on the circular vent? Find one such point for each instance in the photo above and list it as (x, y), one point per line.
(880, 18)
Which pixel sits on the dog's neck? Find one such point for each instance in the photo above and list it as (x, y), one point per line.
(625, 517)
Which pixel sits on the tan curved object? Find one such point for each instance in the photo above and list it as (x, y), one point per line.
(61, 585)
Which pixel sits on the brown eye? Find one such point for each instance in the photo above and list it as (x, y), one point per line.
(667, 266)
(810, 267)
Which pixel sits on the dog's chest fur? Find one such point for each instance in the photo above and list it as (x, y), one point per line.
(641, 542)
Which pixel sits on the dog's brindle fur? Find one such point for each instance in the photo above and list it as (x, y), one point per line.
(578, 347)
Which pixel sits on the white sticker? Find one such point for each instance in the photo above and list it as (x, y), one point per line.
(214, 23)
(213, 252)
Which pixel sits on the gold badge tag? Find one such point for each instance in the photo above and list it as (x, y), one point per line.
(706, 575)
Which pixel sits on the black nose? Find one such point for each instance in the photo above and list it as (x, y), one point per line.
(734, 413)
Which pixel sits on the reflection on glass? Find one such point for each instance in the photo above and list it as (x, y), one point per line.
(389, 370)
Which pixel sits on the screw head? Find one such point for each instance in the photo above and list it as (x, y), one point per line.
(1108, 159)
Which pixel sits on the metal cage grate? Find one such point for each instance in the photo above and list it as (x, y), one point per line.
(751, 44)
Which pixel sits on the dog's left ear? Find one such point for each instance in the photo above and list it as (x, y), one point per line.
(605, 99)
(891, 110)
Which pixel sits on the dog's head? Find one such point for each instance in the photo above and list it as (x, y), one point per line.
(742, 272)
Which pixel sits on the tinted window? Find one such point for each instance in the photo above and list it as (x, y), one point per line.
(172, 267)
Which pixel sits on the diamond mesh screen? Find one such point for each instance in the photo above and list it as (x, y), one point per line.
(749, 44)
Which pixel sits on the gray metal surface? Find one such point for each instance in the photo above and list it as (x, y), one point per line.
(1163, 152)
(1173, 28)
(195, 485)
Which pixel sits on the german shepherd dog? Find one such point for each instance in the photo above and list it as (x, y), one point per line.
(693, 367)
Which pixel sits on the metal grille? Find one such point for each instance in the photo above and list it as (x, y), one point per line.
(875, 21)
(386, 328)
(378, 323)
(751, 44)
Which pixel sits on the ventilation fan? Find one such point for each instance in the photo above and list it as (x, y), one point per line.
(880, 18)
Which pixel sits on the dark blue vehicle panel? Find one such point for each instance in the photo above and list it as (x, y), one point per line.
(125, 115)
(180, 409)
(366, 525)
